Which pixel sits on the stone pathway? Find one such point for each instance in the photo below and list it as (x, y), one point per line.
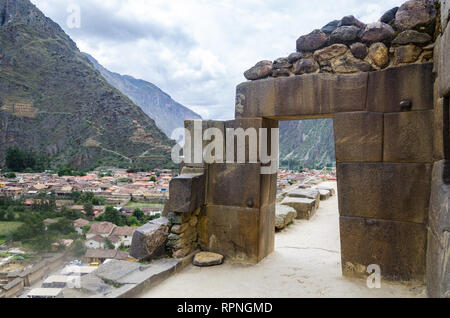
(306, 263)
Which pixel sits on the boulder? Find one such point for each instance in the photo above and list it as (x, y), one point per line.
(305, 66)
(294, 57)
(305, 208)
(281, 72)
(261, 70)
(345, 34)
(389, 16)
(347, 64)
(379, 54)
(284, 215)
(359, 50)
(312, 41)
(149, 240)
(415, 13)
(324, 56)
(406, 54)
(282, 62)
(205, 259)
(412, 37)
(377, 32)
(330, 27)
(351, 20)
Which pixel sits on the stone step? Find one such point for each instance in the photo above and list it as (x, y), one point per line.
(306, 194)
(305, 208)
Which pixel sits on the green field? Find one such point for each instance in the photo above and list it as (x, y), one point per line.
(143, 205)
(8, 227)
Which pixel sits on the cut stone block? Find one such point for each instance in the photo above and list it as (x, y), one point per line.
(443, 61)
(408, 137)
(149, 240)
(387, 88)
(187, 193)
(324, 194)
(307, 194)
(397, 247)
(284, 216)
(206, 259)
(306, 208)
(389, 191)
(358, 137)
(438, 265)
(332, 190)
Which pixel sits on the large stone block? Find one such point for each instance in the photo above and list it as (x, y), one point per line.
(387, 88)
(306, 208)
(306, 194)
(149, 240)
(307, 95)
(266, 234)
(268, 189)
(443, 59)
(388, 191)
(358, 137)
(234, 185)
(408, 137)
(397, 247)
(251, 127)
(187, 193)
(438, 265)
(439, 214)
(445, 13)
(283, 216)
(197, 158)
(231, 231)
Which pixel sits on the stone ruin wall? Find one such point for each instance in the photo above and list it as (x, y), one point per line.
(387, 89)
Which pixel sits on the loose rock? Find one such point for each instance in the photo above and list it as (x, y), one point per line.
(379, 54)
(377, 32)
(305, 66)
(345, 34)
(415, 13)
(284, 215)
(294, 57)
(412, 37)
(261, 70)
(330, 27)
(323, 56)
(349, 64)
(389, 16)
(282, 72)
(359, 50)
(311, 42)
(282, 62)
(351, 20)
(407, 54)
(205, 259)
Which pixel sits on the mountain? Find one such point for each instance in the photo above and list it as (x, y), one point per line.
(307, 143)
(167, 113)
(53, 101)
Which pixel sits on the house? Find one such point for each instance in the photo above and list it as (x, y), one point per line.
(103, 229)
(79, 225)
(125, 234)
(98, 241)
(101, 255)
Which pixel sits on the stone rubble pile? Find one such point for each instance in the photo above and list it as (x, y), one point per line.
(403, 35)
(183, 235)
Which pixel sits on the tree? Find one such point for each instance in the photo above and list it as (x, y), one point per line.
(113, 216)
(78, 248)
(10, 214)
(139, 214)
(109, 245)
(132, 220)
(89, 209)
(63, 226)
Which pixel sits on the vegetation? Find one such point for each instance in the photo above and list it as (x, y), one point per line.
(19, 160)
(69, 172)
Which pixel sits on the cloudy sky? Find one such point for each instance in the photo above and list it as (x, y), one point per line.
(197, 50)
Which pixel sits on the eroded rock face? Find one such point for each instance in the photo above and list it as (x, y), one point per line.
(311, 42)
(379, 54)
(149, 240)
(377, 32)
(359, 50)
(412, 37)
(305, 66)
(261, 70)
(345, 34)
(415, 13)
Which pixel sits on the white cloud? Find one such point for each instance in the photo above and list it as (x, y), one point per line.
(197, 50)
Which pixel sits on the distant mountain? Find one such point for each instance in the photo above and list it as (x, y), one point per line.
(307, 143)
(167, 113)
(52, 100)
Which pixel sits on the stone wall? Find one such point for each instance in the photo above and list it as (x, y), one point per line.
(438, 265)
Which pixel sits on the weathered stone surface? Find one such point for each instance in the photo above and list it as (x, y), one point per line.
(445, 13)
(412, 37)
(345, 34)
(377, 32)
(387, 88)
(305, 66)
(438, 266)
(281, 72)
(443, 61)
(324, 194)
(253, 99)
(281, 62)
(415, 13)
(347, 63)
(311, 42)
(408, 137)
(439, 216)
(178, 218)
(306, 208)
(332, 191)
(114, 270)
(351, 20)
(389, 16)
(330, 27)
(244, 124)
(294, 57)
(379, 54)
(389, 191)
(441, 139)
(359, 50)
(234, 185)
(324, 56)
(187, 193)
(284, 215)
(406, 54)
(307, 194)
(397, 247)
(148, 240)
(206, 259)
(179, 228)
(261, 70)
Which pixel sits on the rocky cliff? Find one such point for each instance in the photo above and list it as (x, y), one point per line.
(53, 100)
(167, 113)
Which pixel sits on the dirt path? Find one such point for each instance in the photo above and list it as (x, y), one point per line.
(306, 263)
